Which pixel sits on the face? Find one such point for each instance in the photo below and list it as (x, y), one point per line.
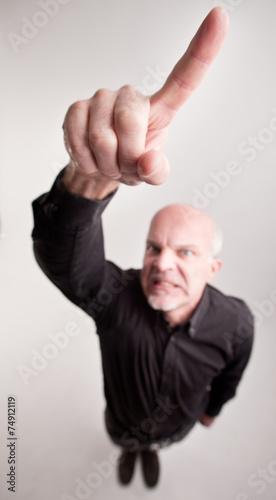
(177, 262)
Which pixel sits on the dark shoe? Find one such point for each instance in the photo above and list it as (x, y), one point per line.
(126, 466)
(150, 466)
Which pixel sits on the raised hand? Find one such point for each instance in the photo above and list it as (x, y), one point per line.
(118, 135)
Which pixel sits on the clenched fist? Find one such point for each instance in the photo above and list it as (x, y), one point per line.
(117, 136)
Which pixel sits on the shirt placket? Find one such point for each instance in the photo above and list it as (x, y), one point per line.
(168, 368)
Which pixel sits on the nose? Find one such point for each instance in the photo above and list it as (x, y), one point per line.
(165, 260)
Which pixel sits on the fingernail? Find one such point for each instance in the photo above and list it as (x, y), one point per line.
(152, 173)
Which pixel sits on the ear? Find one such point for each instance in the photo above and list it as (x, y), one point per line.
(214, 267)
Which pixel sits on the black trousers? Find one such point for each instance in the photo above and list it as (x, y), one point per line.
(135, 444)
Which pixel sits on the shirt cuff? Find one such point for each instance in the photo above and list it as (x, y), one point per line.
(213, 411)
(69, 211)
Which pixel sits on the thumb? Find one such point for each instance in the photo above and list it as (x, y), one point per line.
(153, 167)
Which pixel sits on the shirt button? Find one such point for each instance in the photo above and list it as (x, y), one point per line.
(208, 388)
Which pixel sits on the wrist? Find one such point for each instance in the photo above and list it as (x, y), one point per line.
(94, 186)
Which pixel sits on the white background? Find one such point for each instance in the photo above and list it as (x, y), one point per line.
(85, 46)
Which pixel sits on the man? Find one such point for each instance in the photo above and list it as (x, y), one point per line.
(173, 347)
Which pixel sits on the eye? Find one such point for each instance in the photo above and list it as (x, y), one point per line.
(186, 252)
(152, 249)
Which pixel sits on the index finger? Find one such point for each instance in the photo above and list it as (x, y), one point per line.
(194, 64)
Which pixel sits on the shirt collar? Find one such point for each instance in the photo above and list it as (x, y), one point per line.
(192, 324)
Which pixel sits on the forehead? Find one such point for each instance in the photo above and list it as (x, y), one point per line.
(176, 226)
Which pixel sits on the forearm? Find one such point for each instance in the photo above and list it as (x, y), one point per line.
(94, 186)
(68, 242)
(224, 387)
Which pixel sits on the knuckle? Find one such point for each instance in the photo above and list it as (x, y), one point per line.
(100, 140)
(129, 89)
(76, 113)
(102, 94)
(76, 107)
(129, 121)
(132, 97)
(78, 149)
(128, 163)
(123, 118)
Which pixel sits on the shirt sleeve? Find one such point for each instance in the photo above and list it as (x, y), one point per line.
(68, 241)
(224, 386)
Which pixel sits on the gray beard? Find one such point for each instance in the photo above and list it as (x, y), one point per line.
(165, 308)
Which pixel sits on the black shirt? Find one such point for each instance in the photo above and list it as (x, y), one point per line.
(157, 379)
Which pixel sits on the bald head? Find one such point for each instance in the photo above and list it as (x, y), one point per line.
(184, 218)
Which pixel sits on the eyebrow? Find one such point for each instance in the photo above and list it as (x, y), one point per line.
(177, 247)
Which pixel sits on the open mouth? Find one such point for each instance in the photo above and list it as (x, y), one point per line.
(163, 283)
